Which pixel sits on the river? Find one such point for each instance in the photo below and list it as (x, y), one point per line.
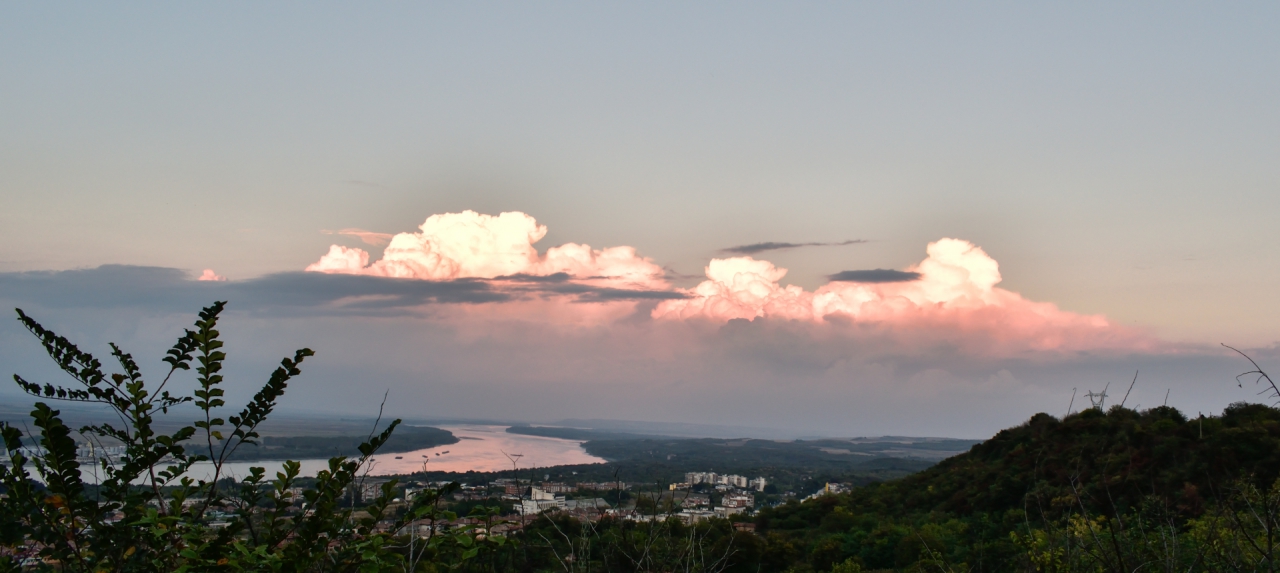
(480, 448)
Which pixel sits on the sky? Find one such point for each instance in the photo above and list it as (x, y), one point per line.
(839, 219)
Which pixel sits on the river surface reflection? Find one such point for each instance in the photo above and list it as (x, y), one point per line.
(480, 448)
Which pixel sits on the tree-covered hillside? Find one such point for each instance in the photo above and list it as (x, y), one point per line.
(986, 509)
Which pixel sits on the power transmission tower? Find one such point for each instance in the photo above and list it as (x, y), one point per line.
(1098, 399)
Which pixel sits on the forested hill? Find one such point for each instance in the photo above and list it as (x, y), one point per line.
(746, 454)
(1094, 463)
(1118, 457)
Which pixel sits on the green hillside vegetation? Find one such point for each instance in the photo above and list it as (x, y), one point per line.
(1085, 493)
(656, 476)
(746, 454)
(579, 434)
(753, 452)
(1114, 491)
(788, 465)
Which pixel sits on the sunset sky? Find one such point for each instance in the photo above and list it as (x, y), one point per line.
(840, 219)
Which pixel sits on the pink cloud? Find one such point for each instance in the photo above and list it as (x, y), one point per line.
(209, 275)
(473, 245)
(950, 298)
(954, 297)
(341, 260)
(366, 237)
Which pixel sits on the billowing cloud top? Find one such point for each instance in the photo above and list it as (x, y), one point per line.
(472, 245)
(209, 275)
(953, 289)
(950, 297)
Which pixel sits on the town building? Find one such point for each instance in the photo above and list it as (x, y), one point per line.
(557, 487)
(539, 501)
(725, 512)
(605, 486)
(829, 489)
(731, 480)
(593, 503)
(739, 500)
(692, 516)
(370, 489)
(696, 500)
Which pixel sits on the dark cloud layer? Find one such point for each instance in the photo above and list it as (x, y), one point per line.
(159, 288)
(874, 276)
(775, 246)
(527, 278)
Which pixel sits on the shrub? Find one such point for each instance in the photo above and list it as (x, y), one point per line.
(147, 514)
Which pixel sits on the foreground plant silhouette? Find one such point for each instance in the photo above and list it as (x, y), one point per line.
(144, 514)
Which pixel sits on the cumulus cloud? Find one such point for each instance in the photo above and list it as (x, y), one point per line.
(954, 295)
(948, 298)
(755, 248)
(472, 245)
(209, 275)
(949, 351)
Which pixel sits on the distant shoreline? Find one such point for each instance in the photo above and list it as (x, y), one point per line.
(404, 439)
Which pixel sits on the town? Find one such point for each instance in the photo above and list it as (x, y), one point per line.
(700, 497)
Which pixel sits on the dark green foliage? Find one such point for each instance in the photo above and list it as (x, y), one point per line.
(1122, 468)
(146, 514)
(1113, 460)
(560, 543)
(740, 455)
(800, 466)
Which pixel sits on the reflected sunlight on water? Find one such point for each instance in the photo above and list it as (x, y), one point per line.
(480, 448)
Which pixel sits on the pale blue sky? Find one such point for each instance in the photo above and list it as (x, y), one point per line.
(1115, 158)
